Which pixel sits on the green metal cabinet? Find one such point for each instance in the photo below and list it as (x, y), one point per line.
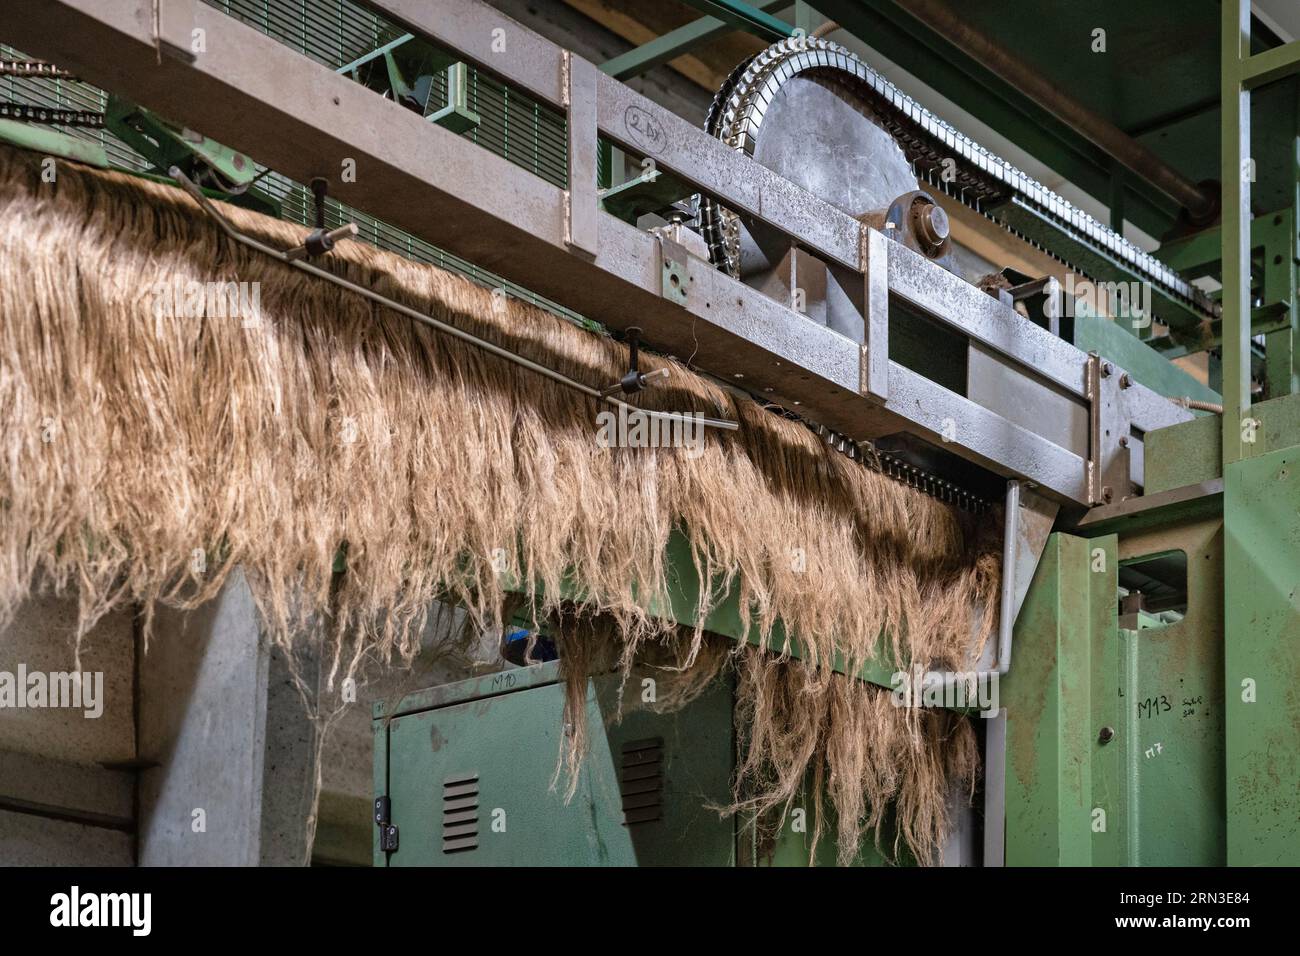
(468, 770)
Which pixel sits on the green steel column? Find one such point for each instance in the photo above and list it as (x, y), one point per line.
(1279, 346)
(1237, 173)
(1236, 395)
(1261, 502)
(1061, 633)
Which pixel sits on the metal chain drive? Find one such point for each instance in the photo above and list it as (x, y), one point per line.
(945, 157)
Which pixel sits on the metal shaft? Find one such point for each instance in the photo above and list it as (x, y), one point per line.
(1141, 161)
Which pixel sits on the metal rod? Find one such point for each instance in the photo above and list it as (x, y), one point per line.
(1235, 239)
(946, 22)
(206, 205)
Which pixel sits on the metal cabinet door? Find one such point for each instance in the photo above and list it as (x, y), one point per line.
(470, 783)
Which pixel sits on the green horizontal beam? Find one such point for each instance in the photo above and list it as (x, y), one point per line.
(1271, 65)
(745, 17)
(670, 46)
(1263, 320)
(375, 53)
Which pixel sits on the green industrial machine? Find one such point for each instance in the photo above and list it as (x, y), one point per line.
(465, 774)
(1148, 721)
(1151, 715)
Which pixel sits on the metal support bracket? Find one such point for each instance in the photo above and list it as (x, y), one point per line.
(581, 223)
(1092, 378)
(674, 271)
(173, 31)
(875, 349)
(456, 115)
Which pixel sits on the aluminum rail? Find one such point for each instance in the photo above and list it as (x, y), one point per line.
(298, 117)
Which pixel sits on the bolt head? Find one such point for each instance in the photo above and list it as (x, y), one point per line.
(1106, 736)
(931, 225)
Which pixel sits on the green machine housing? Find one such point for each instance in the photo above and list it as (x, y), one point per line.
(469, 771)
(1135, 734)
(466, 775)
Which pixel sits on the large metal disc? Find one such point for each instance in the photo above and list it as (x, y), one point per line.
(818, 137)
(800, 109)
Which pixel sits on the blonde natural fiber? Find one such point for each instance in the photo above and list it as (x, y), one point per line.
(147, 455)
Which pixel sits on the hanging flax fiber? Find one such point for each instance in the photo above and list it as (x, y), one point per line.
(148, 452)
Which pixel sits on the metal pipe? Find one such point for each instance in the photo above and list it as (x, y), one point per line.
(1141, 161)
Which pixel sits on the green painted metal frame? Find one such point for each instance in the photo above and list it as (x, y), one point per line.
(456, 115)
(724, 617)
(1066, 616)
(1262, 658)
(746, 17)
(51, 142)
(1114, 341)
(1108, 729)
(1261, 493)
(671, 45)
(1273, 242)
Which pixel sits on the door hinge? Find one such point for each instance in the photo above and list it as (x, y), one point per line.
(384, 819)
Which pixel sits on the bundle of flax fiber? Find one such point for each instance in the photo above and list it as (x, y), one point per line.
(135, 438)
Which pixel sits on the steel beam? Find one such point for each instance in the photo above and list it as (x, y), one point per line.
(1237, 173)
(644, 128)
(1271, 65)
(875, 348)
(671, 45)
(954, 301)
(305, 121)
(581, 225)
